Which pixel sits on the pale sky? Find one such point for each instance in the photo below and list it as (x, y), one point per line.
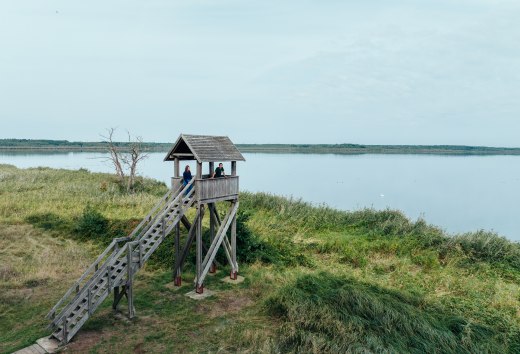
(284, 71)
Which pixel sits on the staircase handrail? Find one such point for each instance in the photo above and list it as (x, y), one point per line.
(111, 260)
(183, 193)
(100, 273)
(148, 217)
(93, 267)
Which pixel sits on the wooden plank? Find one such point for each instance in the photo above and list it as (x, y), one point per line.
(220, 199)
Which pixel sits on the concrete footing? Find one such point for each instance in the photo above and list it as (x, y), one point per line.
(43, 345)
(238, 280)
(50, 345)
(195, 296)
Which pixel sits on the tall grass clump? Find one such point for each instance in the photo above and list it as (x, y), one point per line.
(321, 217)
(325, 313)
(275, 250)
(486, 246)
(380, 225)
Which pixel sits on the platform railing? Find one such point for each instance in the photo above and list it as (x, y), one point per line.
(208, 189)
(212, 189)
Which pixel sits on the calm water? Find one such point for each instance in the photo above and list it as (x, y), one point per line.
(458, 193)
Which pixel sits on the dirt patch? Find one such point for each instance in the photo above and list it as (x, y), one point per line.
(7, 272)
(138, 349)
(231, 303)
(15, 296)
(84, 341)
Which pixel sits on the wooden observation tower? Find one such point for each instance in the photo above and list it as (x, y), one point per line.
(114, 270)
(207, 191)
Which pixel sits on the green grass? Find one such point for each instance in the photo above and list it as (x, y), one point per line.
(330, 313)
(317, 279)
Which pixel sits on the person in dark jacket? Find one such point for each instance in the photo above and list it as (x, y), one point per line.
(219, 171)
(186, 177)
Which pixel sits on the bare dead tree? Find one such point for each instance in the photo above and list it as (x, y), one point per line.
(114, 153)
(125, 159)
(132, 158)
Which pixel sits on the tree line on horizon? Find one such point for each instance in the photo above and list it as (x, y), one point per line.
(316, 148)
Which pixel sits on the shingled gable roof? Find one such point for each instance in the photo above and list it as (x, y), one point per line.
(204, 148)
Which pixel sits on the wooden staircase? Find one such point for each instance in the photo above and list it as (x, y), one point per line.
(115, 268)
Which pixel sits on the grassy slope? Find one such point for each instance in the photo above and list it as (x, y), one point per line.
(323, 280)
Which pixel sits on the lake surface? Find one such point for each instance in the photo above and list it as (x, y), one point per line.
(457, 193)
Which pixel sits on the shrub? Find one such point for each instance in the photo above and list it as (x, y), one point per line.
(91, 224)
(150, 186)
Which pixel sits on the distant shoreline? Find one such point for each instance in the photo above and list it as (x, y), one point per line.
(26, 145)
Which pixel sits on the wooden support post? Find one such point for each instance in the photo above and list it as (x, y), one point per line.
(213, 268)
(163, 227)
(89, 304)
(109, 277)
(116, 298)
(234, 269)
(199, 288)
(176, 168)
(199, 170)
(140, 254)
(177, 271)
(211, 169)
(176, 173)
(129, 284)
(189, 240)
(233, 168)
(130, 298)
(64, 331)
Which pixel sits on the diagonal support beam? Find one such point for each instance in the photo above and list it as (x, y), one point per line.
(227, 245)
(119, 292)
(213, 249)
(186, 222)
